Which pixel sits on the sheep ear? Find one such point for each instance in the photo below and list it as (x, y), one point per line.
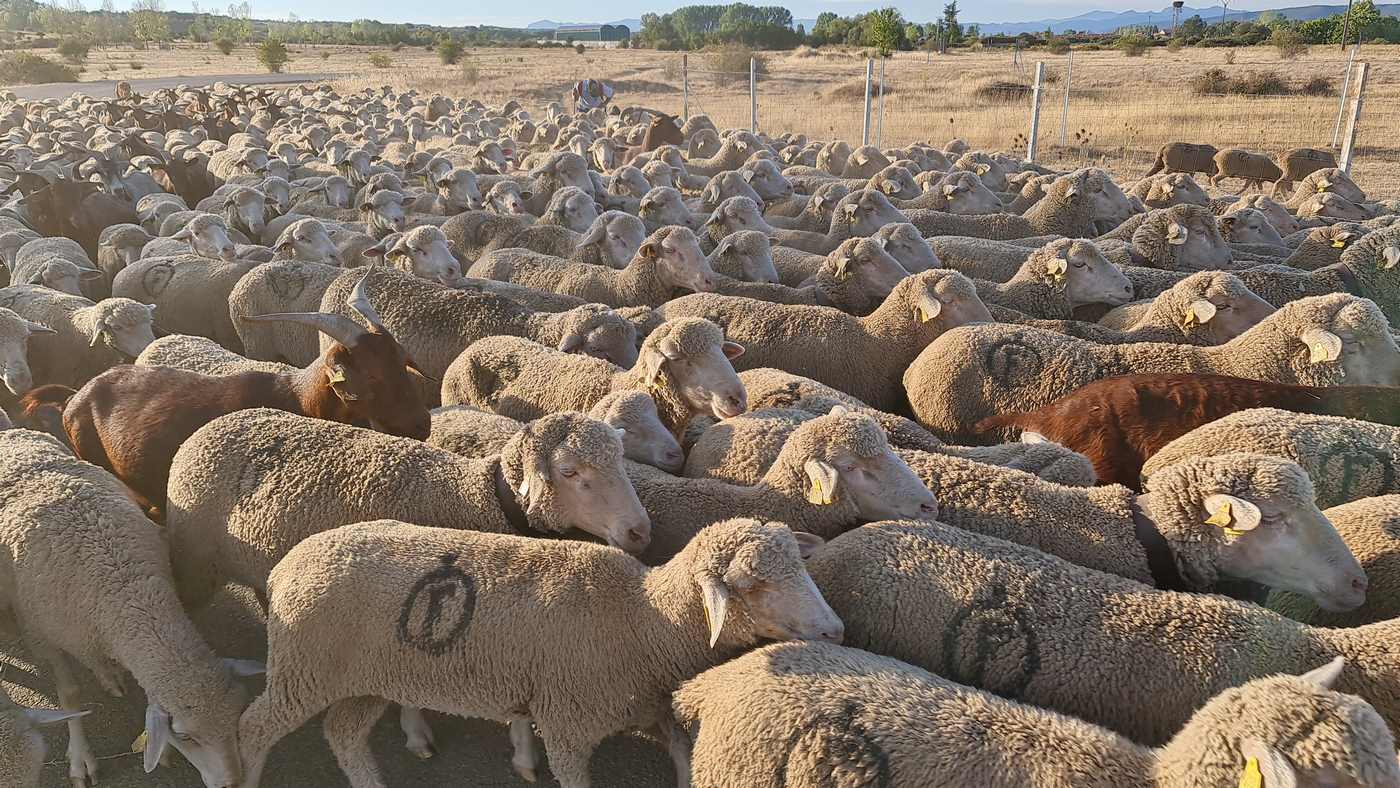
(38, 328)
(158, 736)
(335, 377)
(1327, 675)
(949, 189)
(1322, 344)
(838, 410)
(1200, 311)
(747, 175)
(184, 233)
(732, 350)
(595, 234)
(1176, 234)
(97, 335)
(1231, 513)
(715, 596)
(1391, 256)
(807, 544)
(928, 307)
(648, 250)
(851, 210)
(1265, 767)
(823, 479)
(1072, 191)
(570, 342)
(889, 187)
(1030, 436)
(51, 716)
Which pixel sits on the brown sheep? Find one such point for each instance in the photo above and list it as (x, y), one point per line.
(1184, 157)
(1298, 163)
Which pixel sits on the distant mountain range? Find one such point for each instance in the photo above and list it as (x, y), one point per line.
(1109, 21)
(634, 25)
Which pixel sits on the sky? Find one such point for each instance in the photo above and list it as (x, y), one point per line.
(442, 12)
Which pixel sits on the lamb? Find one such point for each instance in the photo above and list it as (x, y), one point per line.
(1347, 458)
(434, 325)
(684, 365)
(475, 233)
(872, 351)
(473, 433)
(811, 710)
(1368, 526)
(1184, 157)
(669, 258)
(1058, 278)
(746, 255)
(971, 373)
(117, 613)
(88, 338)
(944, 599)
(723, 186)
(561, 473)
(766, 179)
(22, 747)
(190, 292)
(1321, 247)
(757, 566)
(833, 473)
(1297, 163)
(153, 209)
(896, 182)
(612, 240)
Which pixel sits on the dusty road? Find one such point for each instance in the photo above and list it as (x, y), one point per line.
(108, 88)
(471, 753)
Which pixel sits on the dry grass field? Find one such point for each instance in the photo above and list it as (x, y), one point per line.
(1120, 109)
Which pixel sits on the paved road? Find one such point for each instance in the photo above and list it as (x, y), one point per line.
(107, 88)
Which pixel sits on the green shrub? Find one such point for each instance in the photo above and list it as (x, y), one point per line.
(325, 54)
(136, 65)
(1230, 57)
(1212, 81)
(1261, 83)
(272, 53)
(449, 51)
(1289, 43)
(1133, 44)
(1215, 81)
(1057, 45)
(27, 68)
(732, 63)
(580, 48)
(380, 60)
(470, 73)
(1175, 45)
(224, 45)
(1317, 86)
(74, 50)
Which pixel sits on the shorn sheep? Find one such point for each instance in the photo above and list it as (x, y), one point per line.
(736, 582)
(811, 711)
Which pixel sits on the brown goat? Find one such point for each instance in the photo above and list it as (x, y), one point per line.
(131, 420)
(41, 410)
(664, 130)
(1120, 422)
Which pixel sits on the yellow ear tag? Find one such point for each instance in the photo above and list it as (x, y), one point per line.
(1252, 777)
(1190, 320)
(818, 495)
(140, 744)
(1222, 517)
(1339, 244)
(921, 314)
(336, 376)
(658, 382)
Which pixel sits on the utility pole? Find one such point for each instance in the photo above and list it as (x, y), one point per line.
(1224, 4)
(1346, 27)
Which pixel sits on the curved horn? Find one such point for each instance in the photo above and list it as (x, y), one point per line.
(359, 301)
(338, 327)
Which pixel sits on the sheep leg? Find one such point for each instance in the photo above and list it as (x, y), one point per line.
(568, 758)
(82, 762)
(678, 744)
(526, 758)
(269, 719)
(1243, 188)
(347, 727)
(418, 734)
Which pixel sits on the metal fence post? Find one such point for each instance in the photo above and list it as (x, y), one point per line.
(865, 126)
(1064, 113)
(753, 95)
(880, 116)
(1035, 110)
(1349, 143)
(1342, 102)
(685, 87)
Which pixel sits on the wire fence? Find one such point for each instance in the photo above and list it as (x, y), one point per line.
(1096, 108)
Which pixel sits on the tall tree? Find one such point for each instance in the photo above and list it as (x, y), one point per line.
(950, 22)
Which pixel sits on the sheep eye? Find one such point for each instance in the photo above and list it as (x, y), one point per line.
(1077, 265)
(568, 473)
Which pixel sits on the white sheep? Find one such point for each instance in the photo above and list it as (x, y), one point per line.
(89, 338)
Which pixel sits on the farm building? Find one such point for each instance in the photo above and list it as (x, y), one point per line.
(592, 33)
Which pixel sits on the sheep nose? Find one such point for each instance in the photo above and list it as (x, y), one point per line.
(673, 455)
(1128, 288)
(833, 634)
(928, 509)
(1360, 584)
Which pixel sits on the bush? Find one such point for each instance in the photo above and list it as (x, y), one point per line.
(580, 48)
(380, 60)
(470, 73)
(1261, 83)
(1175, 45)
(325, 54)
(224, 45)
(397, 46)
(1215, 81)
(1133, 44)
(1212, 81)
(272, 53)
(1317, 86)
(74, 50)
(1057, 45)
(1289, 43)
(27, 68)
(732, 63)
(449, 51)
(1229, 57)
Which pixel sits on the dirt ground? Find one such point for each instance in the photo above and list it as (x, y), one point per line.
(471, 753)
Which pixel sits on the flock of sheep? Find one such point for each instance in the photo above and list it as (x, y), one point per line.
(1024, 478)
